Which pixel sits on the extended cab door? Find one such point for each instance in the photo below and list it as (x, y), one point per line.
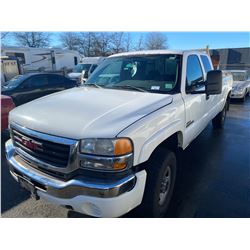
(211, 108)
(195, 101)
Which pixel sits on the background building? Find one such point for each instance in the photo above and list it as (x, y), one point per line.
(236, 58)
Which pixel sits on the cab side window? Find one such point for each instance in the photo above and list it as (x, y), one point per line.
(206, 63)
(195, 79)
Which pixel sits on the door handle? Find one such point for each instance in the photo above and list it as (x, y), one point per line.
(189, 123)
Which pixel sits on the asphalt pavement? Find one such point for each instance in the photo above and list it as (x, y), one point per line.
(214, 180)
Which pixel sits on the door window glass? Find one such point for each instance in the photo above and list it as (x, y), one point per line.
(36, 81)
(195, 78)
(55, 80)
(206, 63)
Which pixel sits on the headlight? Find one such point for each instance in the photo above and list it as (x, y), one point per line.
(106, 147)
(106, 154)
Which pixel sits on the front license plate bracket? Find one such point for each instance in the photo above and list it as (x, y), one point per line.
(29, 186)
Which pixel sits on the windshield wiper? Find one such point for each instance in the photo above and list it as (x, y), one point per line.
(130, 87)
(92, 84)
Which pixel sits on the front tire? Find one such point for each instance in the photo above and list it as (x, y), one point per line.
(162, 168)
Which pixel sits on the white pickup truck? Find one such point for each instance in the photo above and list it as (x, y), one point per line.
(111, 145)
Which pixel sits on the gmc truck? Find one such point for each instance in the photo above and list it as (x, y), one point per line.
(113, 144)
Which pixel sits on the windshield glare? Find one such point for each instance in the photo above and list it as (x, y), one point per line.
(80, 67)
(239, 76)
(154, 73)
(15, 81)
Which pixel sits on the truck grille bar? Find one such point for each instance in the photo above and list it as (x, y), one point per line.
(49, 152)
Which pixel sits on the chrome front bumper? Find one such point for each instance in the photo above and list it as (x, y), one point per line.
(45, 183)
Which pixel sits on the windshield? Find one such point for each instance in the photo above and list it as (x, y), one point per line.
(80, 67)
(153, 73)
(15, 81)
(239, 76)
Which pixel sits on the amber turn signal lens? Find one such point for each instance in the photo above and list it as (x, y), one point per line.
(119, 165)
(123, 146)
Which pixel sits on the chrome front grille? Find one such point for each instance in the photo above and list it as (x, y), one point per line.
(49, 152)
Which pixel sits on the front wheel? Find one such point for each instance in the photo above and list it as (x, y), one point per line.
(160, 183)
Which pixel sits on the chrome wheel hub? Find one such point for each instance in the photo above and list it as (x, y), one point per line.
(165, 185)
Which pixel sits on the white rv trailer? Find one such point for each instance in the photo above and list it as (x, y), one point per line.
(48, 59)
(9, 68)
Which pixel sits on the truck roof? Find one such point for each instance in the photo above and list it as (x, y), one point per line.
(157, 52)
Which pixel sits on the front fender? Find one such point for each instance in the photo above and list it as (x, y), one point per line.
(155, 140)
(153, 129)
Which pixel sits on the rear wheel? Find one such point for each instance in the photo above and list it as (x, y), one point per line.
(228, 103)
(219, 120)
(160, 183)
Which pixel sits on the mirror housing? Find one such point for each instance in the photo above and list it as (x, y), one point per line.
(85, 74)
(214, 82)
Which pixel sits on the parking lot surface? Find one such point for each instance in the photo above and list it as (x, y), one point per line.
(214, 180)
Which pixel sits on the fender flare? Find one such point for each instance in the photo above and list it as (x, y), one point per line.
(158, 138)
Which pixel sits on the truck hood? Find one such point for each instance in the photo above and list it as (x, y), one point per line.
(87, 112)
(236, 83)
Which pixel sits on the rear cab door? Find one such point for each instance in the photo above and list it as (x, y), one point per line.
(214, 103)
(211, 101)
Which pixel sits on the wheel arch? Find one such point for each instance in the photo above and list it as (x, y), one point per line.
(173, 142)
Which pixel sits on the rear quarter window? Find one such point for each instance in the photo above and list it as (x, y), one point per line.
(206, 63)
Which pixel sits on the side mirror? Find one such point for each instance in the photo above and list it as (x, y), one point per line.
(85, 74)
(214, 82)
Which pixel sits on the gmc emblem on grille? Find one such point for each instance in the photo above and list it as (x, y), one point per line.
(30, 144)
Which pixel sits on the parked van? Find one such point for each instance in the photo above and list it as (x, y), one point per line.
(82, 70)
